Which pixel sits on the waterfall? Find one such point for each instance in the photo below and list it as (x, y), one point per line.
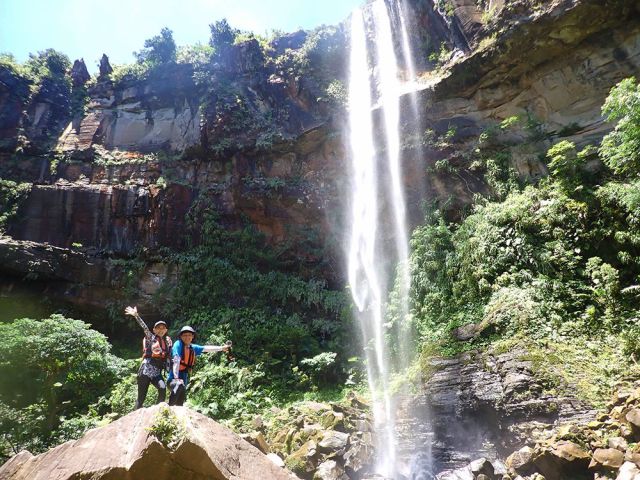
(378, 209)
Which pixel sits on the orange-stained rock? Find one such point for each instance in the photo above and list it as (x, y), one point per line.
(125, 450)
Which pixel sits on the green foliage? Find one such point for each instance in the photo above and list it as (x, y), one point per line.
(233, 286)
(441, 56)
(530, 254)
(230, 391)
(135, 71)
(158, 50)
(556, 264)
(200, 57)
(167, 428)
(22, 429)
(589, 366)
(319, 369)
(158, 53)
(337, 93)
(58, 366)
(48, 64)
(12, 194)
(566, 164)
(446, 6)
(620, 149)
(493, 159)
(9, 62)
(320, 61)
(121, 399)
(222, 38)
(44, 73)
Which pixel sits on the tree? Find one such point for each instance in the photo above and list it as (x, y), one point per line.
(60, 364)
(222, 38)
(158, 50)
(48, 64)
(620, 149)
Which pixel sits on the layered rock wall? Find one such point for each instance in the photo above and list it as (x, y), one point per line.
(124, 176)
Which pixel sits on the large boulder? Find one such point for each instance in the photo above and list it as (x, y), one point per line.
(563, 460)
(196, 448)
(607, 458)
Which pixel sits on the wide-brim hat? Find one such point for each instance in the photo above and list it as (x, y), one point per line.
(187, 329)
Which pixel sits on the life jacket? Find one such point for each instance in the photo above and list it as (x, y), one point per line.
(187, 359)
(158, 348)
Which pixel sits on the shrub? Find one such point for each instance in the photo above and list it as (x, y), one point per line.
(12, 194)
(620, 149)
(167, 428)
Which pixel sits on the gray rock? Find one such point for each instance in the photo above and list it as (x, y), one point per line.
(358, 456)
(459, 474)
(633, 417)
(520, 461)
(329, 470)
(607, 457)
(362, 425)
(628, 471)
(618, 443)
(276, 459)
(333, 440)
(472, 408)
(482, 466)
(466, 332)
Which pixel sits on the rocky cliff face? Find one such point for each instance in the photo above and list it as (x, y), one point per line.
(548, 64)
(482, 405)
(123, 175)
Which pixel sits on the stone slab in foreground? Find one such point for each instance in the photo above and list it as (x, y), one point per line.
(125, 450)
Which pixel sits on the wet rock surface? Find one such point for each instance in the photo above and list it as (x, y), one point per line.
(482, 405)
(573, 451)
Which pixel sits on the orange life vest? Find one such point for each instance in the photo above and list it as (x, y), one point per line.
(188, 358)
(158, 348)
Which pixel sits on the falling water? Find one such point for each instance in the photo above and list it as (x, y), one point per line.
(364, 273)
(390, 90)
(376, 181)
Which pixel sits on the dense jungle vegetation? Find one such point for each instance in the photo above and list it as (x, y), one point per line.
(551, 269)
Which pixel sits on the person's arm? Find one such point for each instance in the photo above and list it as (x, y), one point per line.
(176, 368)
(169, 362)
(176, 352)
(214, 348)
(133, 311)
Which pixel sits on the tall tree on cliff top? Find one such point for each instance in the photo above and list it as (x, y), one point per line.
(158, 50)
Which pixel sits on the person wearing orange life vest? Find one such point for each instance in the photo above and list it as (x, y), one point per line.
(156, 358)
(184, 353)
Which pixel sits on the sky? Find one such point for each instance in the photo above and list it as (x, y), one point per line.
(88, 28)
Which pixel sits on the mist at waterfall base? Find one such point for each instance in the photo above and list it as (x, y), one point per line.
(378, 249)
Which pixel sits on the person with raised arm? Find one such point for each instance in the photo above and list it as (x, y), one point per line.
(156, 358)
(184, 355)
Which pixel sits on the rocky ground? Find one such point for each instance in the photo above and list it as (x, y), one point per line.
(481, 405)
(603, 449)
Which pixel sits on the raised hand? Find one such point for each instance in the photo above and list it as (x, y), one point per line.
(133, 311)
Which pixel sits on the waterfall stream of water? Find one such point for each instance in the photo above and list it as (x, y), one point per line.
(378, 211)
